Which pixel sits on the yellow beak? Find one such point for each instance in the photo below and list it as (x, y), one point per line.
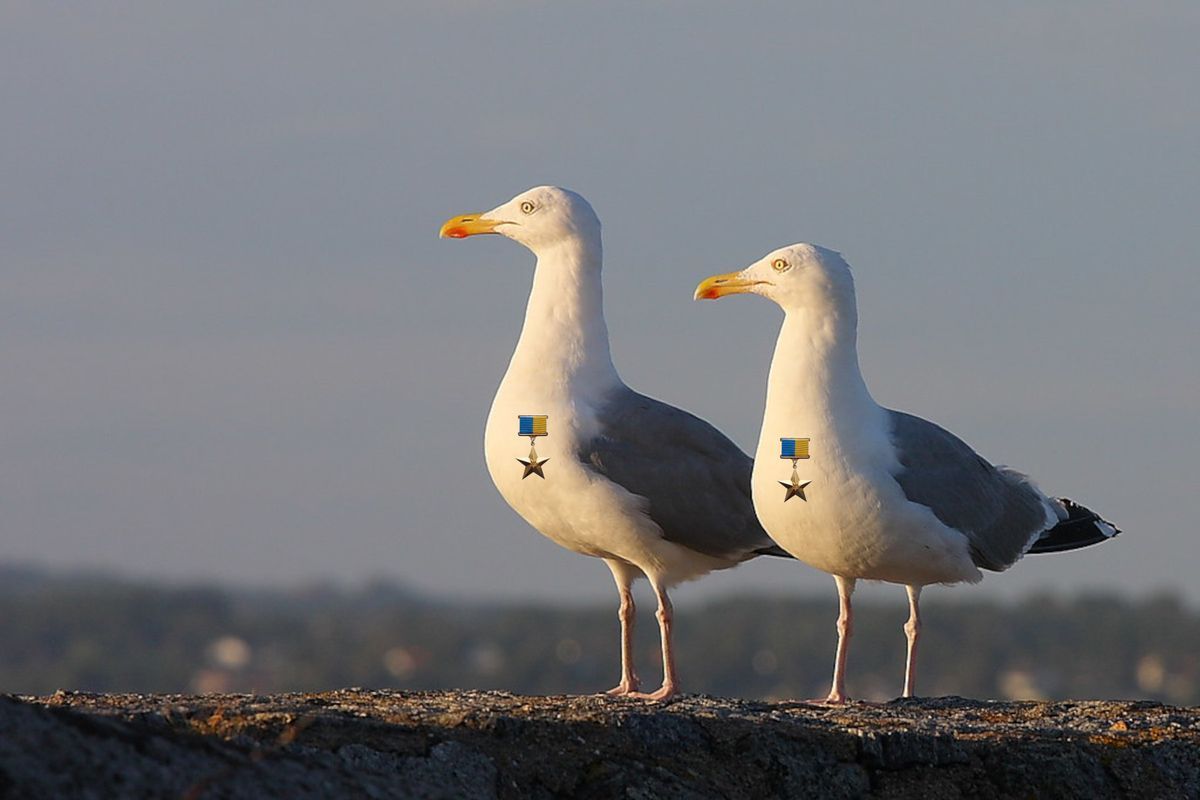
(467, 225)
(721, 285)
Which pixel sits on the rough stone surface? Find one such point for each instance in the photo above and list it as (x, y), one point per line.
(381, 744)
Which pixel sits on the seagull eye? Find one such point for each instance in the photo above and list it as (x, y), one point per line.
(780, 265)
(527, 207)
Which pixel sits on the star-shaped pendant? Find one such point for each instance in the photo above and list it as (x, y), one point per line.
(795, 489)
(533, 467)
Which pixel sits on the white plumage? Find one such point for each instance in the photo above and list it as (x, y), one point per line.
(652, 490)
(890, 496)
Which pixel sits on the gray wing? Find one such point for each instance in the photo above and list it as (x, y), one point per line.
(697, 482)
(997, 509)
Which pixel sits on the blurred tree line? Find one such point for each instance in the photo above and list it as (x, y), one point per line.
(97, 633)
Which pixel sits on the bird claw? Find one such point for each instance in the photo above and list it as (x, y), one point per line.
(831, 700)
(623, 688)
(664, 693)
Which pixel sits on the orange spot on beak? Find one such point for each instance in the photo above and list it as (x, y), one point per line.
(720, 285)
(465, 225)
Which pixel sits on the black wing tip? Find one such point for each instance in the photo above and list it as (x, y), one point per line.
(773, 550)
(1082, 528)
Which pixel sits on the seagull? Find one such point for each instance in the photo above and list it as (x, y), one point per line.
(652, 490)
(886, 495)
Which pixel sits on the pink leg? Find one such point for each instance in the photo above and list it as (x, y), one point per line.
(624, 574)
(845, 626)
(912, 630)
(665, 615)
(628, 614)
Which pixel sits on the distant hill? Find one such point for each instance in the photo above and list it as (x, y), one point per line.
(96, 632)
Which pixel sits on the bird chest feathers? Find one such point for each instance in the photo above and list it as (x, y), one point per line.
(530, 446)
(837, 524)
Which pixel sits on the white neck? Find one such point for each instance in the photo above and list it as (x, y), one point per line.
(815, 385)
(564, 342)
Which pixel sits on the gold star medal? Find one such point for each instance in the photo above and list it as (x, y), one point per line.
(795, 449)
(533, 426)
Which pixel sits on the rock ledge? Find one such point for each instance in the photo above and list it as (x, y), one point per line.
(360, 743)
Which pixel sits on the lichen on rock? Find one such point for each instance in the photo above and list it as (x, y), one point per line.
(360, 743)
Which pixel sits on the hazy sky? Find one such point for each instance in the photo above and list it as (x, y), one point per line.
(232, 346)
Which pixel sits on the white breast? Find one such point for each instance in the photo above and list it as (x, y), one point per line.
(562, 368)
(556, 505)
(574, 506)
(856, 521)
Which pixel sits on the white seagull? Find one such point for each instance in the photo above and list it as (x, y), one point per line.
(876, 494)
(648, 488)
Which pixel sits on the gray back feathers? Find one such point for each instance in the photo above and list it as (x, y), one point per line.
(997, 509)
(697, 482)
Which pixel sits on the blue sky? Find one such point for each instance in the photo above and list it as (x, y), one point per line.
(234, 348)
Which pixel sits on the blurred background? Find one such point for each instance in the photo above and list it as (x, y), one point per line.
(97, 633)
(244, 385)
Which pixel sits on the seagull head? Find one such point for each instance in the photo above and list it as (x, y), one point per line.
(799, 276)
(539, 218)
